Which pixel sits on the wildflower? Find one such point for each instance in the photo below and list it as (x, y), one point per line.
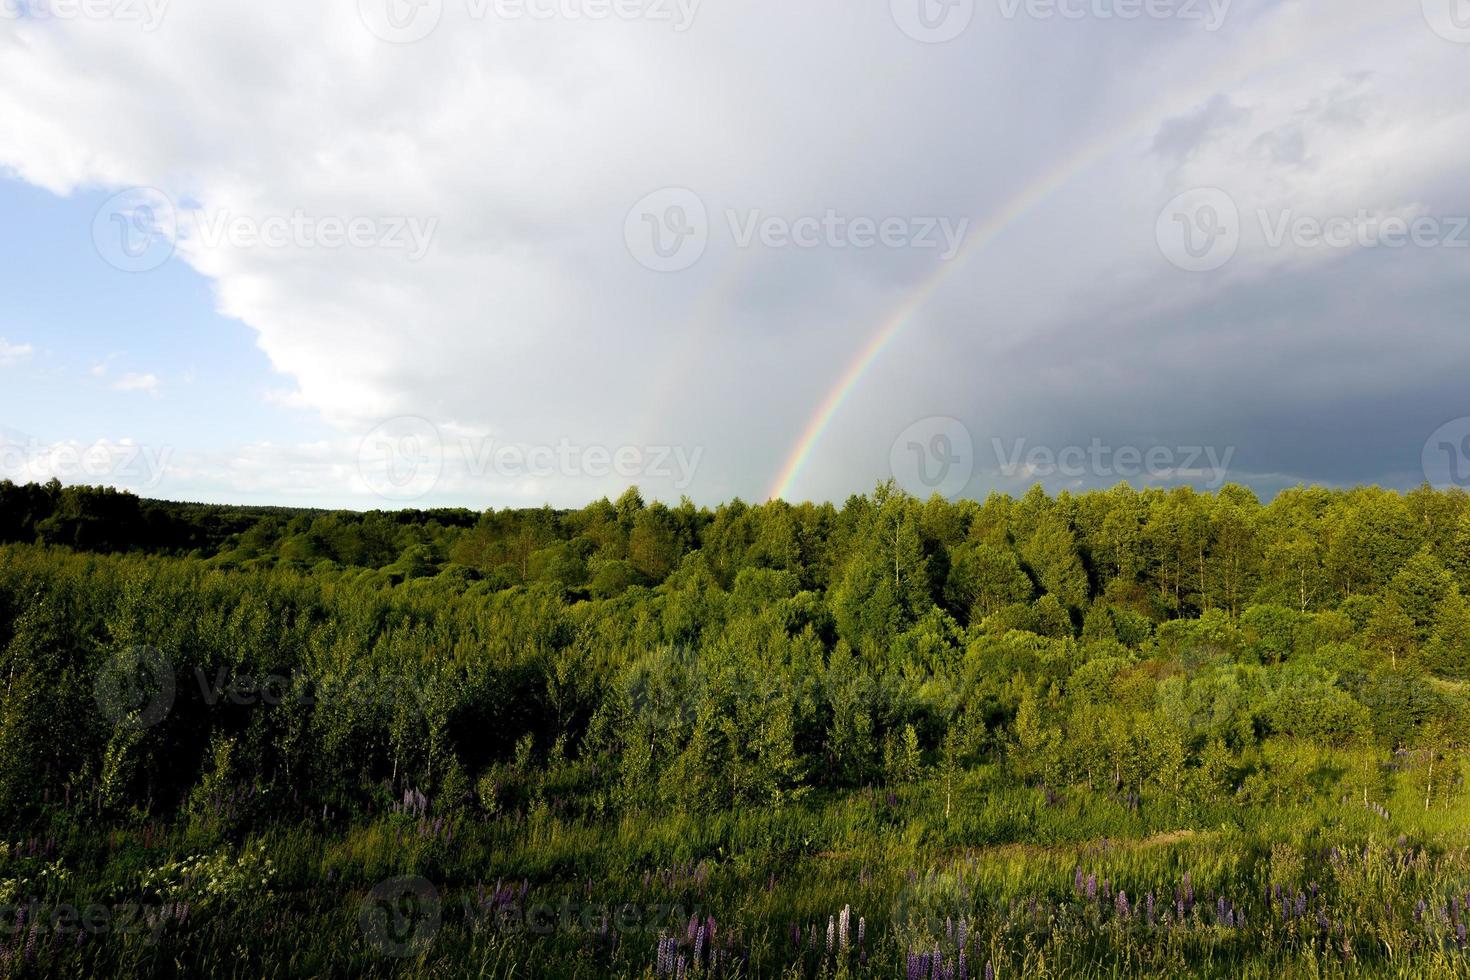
(1077, 881)
(1091, 888)
(665, 955)
(844, 924)
(831, 933)
(1122, 904)
(698, 944)
(862, 930)
(989, 970)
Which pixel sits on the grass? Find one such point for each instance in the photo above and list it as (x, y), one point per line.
(1006, 863)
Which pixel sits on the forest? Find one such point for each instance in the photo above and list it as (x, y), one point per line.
(1135, 732)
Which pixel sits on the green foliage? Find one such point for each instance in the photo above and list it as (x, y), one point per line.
(772, 711)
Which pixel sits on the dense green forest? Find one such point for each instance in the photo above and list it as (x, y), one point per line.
(1132, 732)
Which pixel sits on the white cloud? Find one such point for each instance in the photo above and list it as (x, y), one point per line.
(132, 381)
(13, 354)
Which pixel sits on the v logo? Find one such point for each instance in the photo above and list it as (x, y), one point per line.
(401, 13)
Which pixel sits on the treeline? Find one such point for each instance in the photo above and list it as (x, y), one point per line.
(885, 561)
(1155, 645)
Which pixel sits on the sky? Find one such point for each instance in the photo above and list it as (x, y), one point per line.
(501, 253)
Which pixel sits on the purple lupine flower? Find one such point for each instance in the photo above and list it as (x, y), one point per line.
(1122, 904)
(698, 944)
(1301, 904)
(963, 932)
(989, 970)
(831, 934)
(844, 925)
(1460, 934)
(1091, 889)
(1077, 881)
(1149, 906)
(862, 930)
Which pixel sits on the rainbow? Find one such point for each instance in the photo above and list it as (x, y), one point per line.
(1031, 196)
(893, 325)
